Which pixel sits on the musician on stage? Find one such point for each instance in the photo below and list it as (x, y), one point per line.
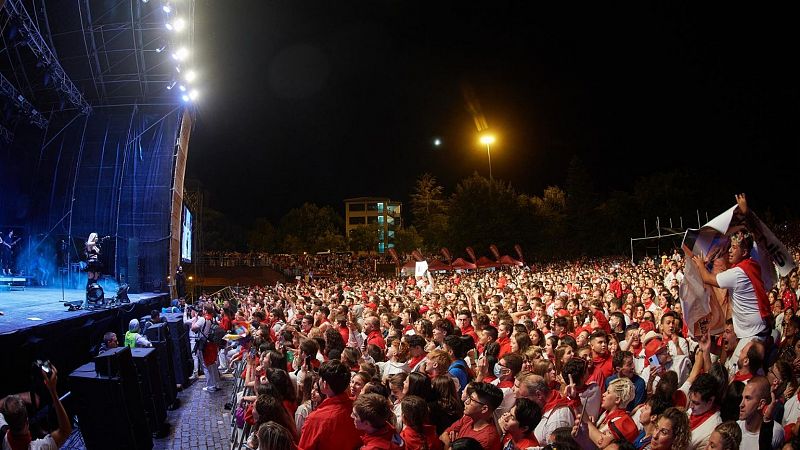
(7, 243)
(93, 265)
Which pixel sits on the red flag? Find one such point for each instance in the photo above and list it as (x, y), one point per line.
(518, 249)
(417, 255)
(495, 252)
(393, 254)
(446, 253)
(471, 254)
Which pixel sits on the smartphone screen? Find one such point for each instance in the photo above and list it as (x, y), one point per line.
(654, 361)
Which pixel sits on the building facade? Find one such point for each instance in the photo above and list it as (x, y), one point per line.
(381, 211)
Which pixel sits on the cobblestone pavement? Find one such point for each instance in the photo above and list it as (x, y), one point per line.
(200, 422)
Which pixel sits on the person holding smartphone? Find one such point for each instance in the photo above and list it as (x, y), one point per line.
(15, 415)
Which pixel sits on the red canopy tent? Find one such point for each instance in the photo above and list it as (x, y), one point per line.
(462, 264)
(435, 265)
(506, 260)
(485, 263)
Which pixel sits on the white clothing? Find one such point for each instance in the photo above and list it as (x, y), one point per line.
(555, 418)
(732, 363)
(45, 443)
(680, 364)
(791, 411)
(747, 319)
(509, 397)
(682, 343)
(750, 440)
(591, 399)
(701, 434)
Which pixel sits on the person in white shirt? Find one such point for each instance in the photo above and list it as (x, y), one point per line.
(556, 412)
(755, 398)
(703, 410)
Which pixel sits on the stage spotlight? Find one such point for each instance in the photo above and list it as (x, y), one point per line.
(161, 49)
(95, 295)
(185, 97)
(190, 76)
(171, 85)
(169, 26)
(179, 24)
(122, 294)
(182, 88)
(193, 95)
(181, 54)
(166, 8)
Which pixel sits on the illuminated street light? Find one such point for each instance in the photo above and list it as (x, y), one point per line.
(488, 140)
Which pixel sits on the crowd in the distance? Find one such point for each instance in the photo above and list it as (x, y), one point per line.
(580, 354)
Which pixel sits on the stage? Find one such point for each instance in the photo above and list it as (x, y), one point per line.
(37, 325)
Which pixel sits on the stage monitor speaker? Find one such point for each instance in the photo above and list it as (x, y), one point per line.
(179, 335)
(159, 335)
(151, 382)
(110, 410)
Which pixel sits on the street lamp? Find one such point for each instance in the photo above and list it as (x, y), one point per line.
(488, 140)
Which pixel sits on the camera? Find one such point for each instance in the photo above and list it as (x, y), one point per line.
(44, 365)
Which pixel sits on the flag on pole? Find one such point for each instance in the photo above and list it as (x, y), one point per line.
(495, 252)
(393, 254)
(446, 253)
(518, 249)
(471, 254)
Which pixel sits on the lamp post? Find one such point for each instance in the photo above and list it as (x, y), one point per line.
(488, 140)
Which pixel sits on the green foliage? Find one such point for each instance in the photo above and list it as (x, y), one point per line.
(364, 238)
(262, 237)
(407, 240)
(311, 229)
(429, 209)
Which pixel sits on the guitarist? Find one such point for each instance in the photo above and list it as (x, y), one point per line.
(7, 244)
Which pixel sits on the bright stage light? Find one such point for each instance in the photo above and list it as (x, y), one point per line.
(166, 8)
(181, 54)
(182, 88)
(161, 49)
(169, 26)
(171, 85)
(194, 94)
(179, 24)
(185, 97)
(190, 76)
(487, 139)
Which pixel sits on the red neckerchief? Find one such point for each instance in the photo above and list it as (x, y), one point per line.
(506, 384)
(613, 415)
(753, 272)
(19, 442)
(742, 377)
(696, 421)
(414, 361)
(599, 360)
(555, 400)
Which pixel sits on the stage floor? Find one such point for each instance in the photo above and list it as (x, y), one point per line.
(36, 306)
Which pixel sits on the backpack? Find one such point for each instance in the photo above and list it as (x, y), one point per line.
(215, 334)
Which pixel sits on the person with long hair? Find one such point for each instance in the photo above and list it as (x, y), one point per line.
(520, 341)
(672, 431)
(269, 409)
(273, 436)
(726, 436)
(417, 383)
(418, 433)
(446, 406)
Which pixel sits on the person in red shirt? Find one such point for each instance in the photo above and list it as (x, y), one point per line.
(478, 420)
(330, 427)
(418, 433)
(372, 327)
(615, 423)
(504, 331)
(464, 322)
(601, 357)
(371, 413)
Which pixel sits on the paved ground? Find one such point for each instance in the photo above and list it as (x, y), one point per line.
(201, 422)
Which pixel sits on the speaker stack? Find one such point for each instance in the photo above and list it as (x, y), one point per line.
(158, 334)
(179, 336)
(149, 372)
(111, 413)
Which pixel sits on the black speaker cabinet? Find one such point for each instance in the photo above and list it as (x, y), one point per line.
(179, 335)
(159, 335)
(109, 408)
(150, 381)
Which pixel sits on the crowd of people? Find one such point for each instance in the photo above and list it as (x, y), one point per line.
(318, 265)
(591, 354)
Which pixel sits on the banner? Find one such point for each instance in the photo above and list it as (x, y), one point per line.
(495, 252)
(417, 255)
(446, 253)
(704, 307)
(518, 249)
(393, 254)
(471, 254)
(420, 268)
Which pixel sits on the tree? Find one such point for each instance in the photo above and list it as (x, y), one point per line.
(309, 228)
(364, 238)
(262, 237)
(407, 240)
(429, 208)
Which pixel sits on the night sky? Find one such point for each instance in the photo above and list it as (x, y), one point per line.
(320, 101)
